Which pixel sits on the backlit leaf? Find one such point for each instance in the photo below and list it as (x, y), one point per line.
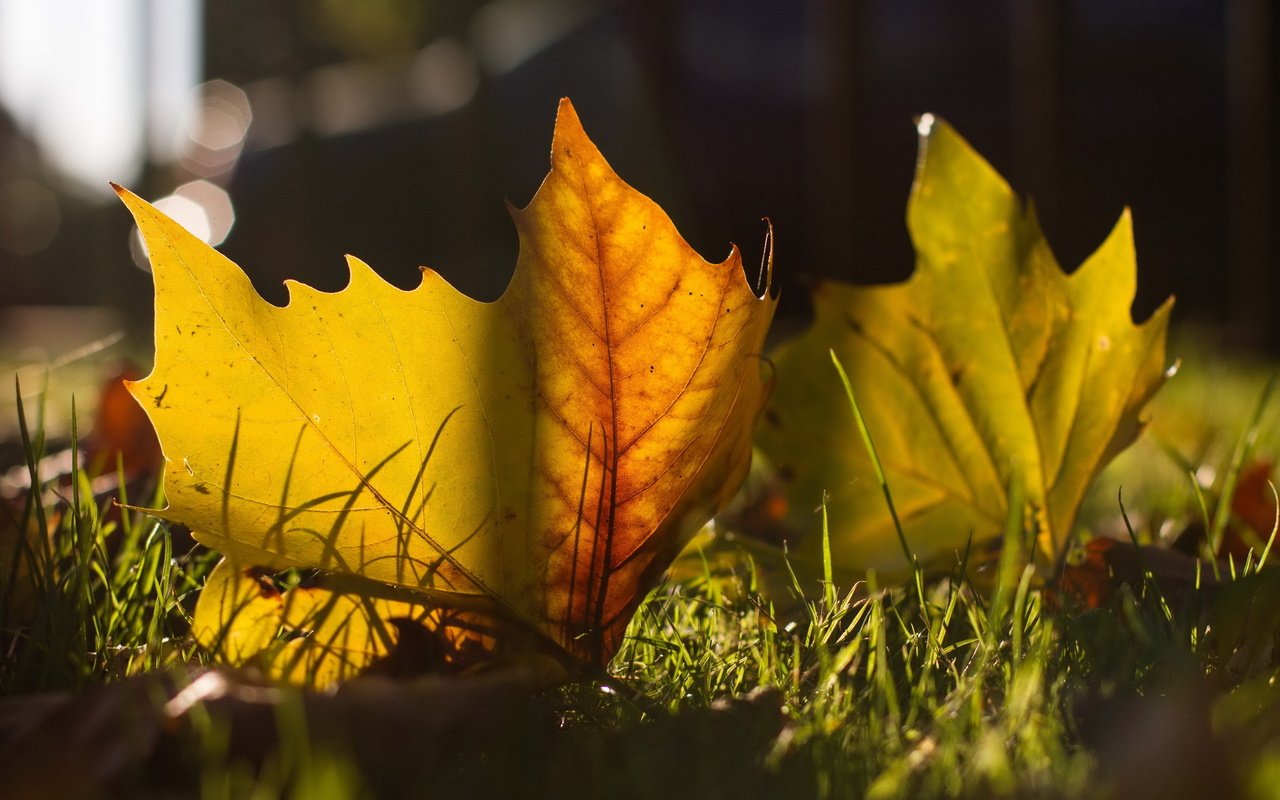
(539, 459)
(988, 359)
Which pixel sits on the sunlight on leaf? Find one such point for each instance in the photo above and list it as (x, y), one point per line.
(988, 361)
(539, 459)
(255, 609)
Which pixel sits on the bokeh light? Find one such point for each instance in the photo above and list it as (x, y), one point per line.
(216, 130)
(203, 208)
(443, 77)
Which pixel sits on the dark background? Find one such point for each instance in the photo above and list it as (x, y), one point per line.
(726, 111)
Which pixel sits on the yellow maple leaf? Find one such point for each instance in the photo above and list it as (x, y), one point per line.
(539, 459)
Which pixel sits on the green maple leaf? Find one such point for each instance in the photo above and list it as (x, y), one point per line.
(989, 360)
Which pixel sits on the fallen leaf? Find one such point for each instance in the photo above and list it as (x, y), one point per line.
(1090, 581)
(1253, 518)
(239, 614)
(539, 459)
(987, 361)
(1254, 505)
(121, 432)
(1104, 565)
(328, 632)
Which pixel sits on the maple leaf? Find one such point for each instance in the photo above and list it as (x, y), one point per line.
(986, 361)
(307, 635)
(540, 458)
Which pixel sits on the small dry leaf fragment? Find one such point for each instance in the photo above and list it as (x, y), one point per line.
(1105, 565)
(121, 431)
(1254, 503)
(539, 459)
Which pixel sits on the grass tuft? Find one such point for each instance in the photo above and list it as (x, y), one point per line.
(92, 592)
(931, 688)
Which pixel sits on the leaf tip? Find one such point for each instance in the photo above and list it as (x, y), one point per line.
(567, 118)
(1124, 223)
(136, 205)
(569, 135)
(130, 199)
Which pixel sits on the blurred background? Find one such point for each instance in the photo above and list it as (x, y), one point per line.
(288, 133)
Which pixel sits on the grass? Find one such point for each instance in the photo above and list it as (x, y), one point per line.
(928, 689)
(91, 592)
